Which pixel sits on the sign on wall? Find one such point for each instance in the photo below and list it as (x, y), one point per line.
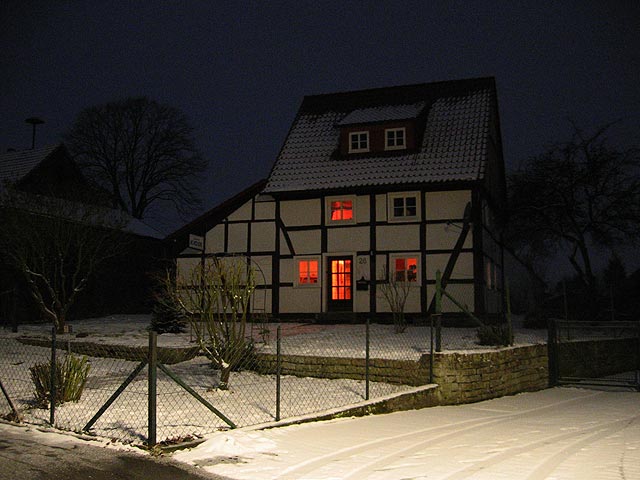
(196, 242)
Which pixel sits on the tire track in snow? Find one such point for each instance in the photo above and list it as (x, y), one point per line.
(587, 436)
(312, 464)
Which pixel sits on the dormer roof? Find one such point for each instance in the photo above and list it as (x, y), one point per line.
(384, 113)
(454, 122)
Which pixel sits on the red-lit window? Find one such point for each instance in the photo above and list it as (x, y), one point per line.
(405, 269)
(341, 280)
(341, 210)
(308, 272)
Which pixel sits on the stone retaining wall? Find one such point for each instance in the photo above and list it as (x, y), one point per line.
(475, 376)
(462, 377)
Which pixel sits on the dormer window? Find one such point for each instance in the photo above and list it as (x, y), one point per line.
(358, 142)
(395, 139)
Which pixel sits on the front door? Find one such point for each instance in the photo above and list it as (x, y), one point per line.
(340, 289)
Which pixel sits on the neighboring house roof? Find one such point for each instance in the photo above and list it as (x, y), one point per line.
(16, 165)
(91, 215)
(453, 145)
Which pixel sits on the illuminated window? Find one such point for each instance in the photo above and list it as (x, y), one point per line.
(341, 210)
(403, 206)
(395, 139)
(405, 269)
(308, 272)
(358, 142)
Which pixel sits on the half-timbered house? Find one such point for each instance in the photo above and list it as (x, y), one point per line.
(390, 183)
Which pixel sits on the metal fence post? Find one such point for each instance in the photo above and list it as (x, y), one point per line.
(152, 387)
(438, 311)
(431, 349)
(552, 352)
(53, 390)
(366, 361)
(278, 372)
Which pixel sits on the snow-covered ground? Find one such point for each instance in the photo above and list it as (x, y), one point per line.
(555, 434)
(250, 400)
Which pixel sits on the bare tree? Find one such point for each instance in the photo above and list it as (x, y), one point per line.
(395, 292)
(142, 152)
(215, 296)
(56, 246)
(577, 195)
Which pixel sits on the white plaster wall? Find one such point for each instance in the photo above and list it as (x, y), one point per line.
(284, 248)
(287, 271)
(398, 237)
(347, 239)
(303, 300)
(381, 267)
(362, 209)
(412, 305)
(185, 266)
(241, 213)
(261, 301)
(215, 239)
(300, 212)
(446, 205)
(265, 210)
(306, 242)
(381, 208)
(262, 266)
(463, 293)
(237, 237)
(462, 270)
(441, 236)
(263, 236)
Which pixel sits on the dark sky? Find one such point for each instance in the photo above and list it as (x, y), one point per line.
(239, 70)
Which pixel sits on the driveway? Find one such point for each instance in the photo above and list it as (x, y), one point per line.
(560, 433)
(28, 454)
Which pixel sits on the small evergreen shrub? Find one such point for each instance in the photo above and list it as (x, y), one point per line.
(70, 378)
(494, 335)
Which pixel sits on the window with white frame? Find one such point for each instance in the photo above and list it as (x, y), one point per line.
(308, 272)
(341, 210)
(403, 206)
(395, 139)
(358, 142)
(405, 268)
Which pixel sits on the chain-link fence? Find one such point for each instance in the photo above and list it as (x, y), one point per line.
(138, 393)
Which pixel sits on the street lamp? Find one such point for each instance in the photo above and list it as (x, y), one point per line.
(34, 121)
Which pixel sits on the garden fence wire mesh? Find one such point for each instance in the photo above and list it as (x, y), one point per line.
(279, 371)
(286, 371)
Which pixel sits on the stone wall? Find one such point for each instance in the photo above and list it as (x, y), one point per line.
(474, 376)
(461, 377)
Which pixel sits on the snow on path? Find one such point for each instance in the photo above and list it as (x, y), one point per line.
(558, 434)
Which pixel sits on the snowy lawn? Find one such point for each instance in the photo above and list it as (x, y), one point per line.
(250, 400)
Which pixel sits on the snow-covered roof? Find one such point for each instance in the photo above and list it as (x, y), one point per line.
(383, 113)
(15, 165)
(454, 137)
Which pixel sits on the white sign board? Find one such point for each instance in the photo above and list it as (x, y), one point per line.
(196, 242)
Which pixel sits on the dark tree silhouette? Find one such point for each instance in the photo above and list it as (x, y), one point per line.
(577, 195)
(56, 247)
(142, 152)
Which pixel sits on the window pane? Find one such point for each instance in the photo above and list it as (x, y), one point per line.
(412, 269)
(347, 210)
(303, 265)
(313, 271)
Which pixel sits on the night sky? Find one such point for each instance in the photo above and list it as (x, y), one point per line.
(239, 70)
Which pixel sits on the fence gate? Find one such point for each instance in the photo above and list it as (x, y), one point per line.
(594, 353)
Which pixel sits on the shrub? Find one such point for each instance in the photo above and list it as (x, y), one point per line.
(495, 335)
(70, 378)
